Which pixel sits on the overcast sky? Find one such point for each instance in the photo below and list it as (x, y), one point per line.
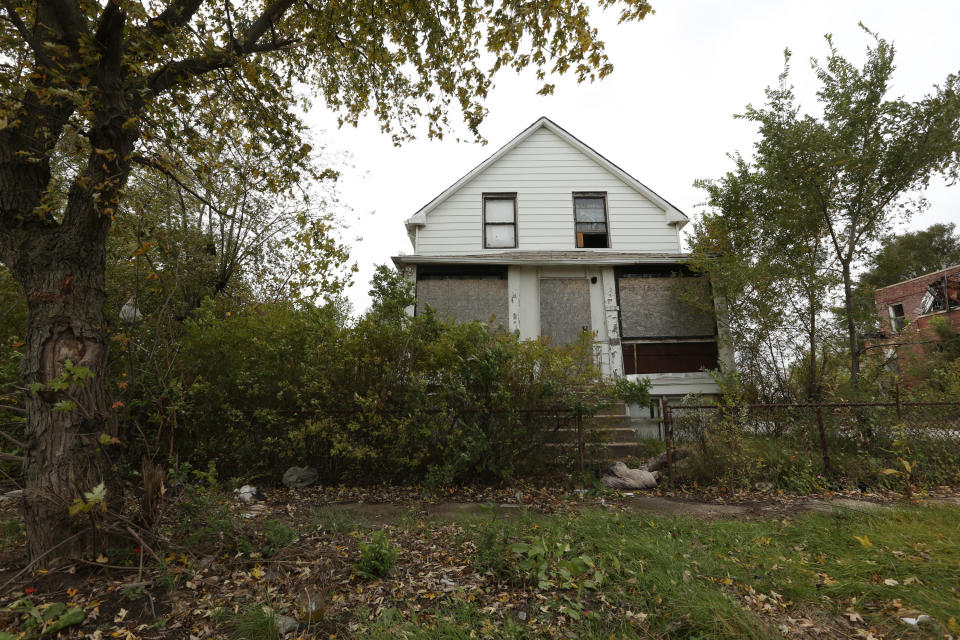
(666, 113)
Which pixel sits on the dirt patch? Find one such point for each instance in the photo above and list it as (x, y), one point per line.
(385, 513)
(667, 506)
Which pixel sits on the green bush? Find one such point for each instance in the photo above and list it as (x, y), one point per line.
(388, 398)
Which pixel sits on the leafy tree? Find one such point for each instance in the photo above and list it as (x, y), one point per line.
(902, 257)
(855, 167)
(88, 89)
(774, 275)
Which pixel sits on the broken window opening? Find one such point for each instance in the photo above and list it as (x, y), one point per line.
(897, 318)
(590, 219)
(942, 294)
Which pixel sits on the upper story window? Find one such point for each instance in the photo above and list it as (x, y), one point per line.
(590, 217)
(897, 318)
(499, 220)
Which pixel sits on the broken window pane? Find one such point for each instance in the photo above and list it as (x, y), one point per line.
(897, 319)
(590, 209)
(590, 215)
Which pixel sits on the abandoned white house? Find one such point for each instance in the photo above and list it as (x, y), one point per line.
(549, 238)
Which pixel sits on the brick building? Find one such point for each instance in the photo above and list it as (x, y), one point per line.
(906, 310)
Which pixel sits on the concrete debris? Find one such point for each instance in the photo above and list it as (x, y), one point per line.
(659, 462)
(913, 622)
(299, 477)
(626, 478)
(286, 624)
(248, 493)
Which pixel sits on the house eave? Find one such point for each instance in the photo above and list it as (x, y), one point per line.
(533, 258)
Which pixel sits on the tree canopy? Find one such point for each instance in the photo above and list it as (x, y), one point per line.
(89, 90)
(841, 178)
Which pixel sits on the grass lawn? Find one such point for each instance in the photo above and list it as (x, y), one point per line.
(626, 575)
(575, 573)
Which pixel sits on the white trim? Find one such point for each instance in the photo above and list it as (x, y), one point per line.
(673, 215)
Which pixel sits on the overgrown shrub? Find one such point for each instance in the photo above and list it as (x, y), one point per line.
(386, 398)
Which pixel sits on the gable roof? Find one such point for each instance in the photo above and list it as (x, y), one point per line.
(674, 215)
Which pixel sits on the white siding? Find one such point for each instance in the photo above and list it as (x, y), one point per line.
(544, 171)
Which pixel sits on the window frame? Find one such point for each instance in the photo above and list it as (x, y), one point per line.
(499, 195)
(895, 319)
(606, 215)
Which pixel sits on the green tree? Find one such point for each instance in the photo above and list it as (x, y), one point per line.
(105, 85)
(861, 164)
(774, 274)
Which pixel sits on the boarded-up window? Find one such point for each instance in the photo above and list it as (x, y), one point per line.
(464, 293)
(659, 307)
(564, 308)
(669, 357)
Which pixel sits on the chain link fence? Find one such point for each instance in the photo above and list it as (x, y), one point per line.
(821, 427)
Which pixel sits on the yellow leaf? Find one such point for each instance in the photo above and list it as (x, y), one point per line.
(864, 541)
(256, 572)
(889, 472)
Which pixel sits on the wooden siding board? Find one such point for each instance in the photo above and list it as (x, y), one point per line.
(544, 171)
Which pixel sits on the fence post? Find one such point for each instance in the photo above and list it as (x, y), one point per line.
(668, 437)
(823, 440)
(580, 443)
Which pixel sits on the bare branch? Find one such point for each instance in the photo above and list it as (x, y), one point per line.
(146, 162)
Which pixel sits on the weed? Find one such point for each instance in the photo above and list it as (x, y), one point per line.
(491, 555)
(276, 536)
(334, 520)
(44, 619)
(377, 557)
(253, 622)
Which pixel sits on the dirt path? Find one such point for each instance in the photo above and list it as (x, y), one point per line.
(388, 513)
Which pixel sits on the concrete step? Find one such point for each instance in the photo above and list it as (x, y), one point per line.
(607, 421)
(606, 451)
(613, 434)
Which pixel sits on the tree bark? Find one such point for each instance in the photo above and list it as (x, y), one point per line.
(65, 324)
(851, 327)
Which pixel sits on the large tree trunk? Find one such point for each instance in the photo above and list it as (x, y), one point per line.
(63, 276)
(851, 327)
